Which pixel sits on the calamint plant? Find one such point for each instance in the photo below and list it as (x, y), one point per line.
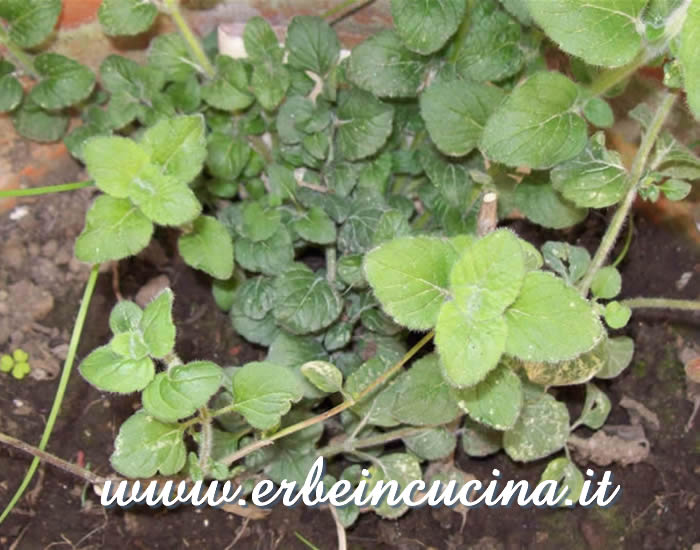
(344, 207)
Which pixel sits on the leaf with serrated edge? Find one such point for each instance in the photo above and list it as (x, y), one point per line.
(114, 162)
(364, 124)
(109, 371)
(424, 27)
(157, 324)
(208, 247)
(126, 17)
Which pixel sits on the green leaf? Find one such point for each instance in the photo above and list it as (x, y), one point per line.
(294, 113)
(228, 90)
(125, 316)
(383, 66)
(617, 315)
(563, 471)
(620, 353)
(114, 163)
(596, 408)
(178, 146)
(456, 112)
(572, 371)
(169, 52)
(120, 74)
(259, 224)
(488, 276)
(30, 21)
(358, 232)
(227, 156)
(315, 226)
(596, 178)
(365, 124)
(312, 44)
(599, 32)
(607, 283)
(518, 8)
(675, 190)
(36, 124)
(306, 302)
(542, 204)
(325, 376)
(126, 17)
(491, 49)
(689, 57)
(145, 446)
(479, 440)
(375, 407)
(180, 391)
(270, 256)
(114, 229)
(599, 113)
(261, 332)
(255, 297)
(263, 392)
(400, 467)
(261, 43)
(424, 27)
(270, 83)
(410, 278)
(109, 371)
(162, 198)
(350, 270)
(423, 398)
(542, 429)
(129, 344)
(495, 401)
(11, 93)
(550, 321)
(570, 262)
(469, 349)
(287, 350)
(432, 444)
(157, 324)
(536, 125)
(208, 247)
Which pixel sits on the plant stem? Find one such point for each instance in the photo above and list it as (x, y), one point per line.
(661, 303)
(608, 79)
(74, 469)
(330, 264)
(342, 7)
(207, 438)
(173, 7)
(245, 451)
(62, 385)
(373, 441)
(635, 176)
(24, 59)
(45, 190)
(628, 242)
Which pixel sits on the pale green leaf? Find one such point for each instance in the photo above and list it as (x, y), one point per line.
(169, 52)
(288, 350)
(259, 223)
(563, 471)
(129, 344)
(617, 315)
(598, 112)
(109, 371)
(596, 408)
(325, 376)
(620, 353)
(607, 283)
(114, 163)
(157, 324)
(689, 56)
(208, 246)
(125, 316)
(227, 157)
(570, 262)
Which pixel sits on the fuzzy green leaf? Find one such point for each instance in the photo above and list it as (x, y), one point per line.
(259, 224)
(365, 124)
(312, 44)
(456, 112)
(550, 321)
(30, 21)
(108, 371)
(600, 32)
(536, 125)
(145, 446)
(125, 316)
(689, 56)
(263, 392)
(383, 66)
(542, 204)
(180, 391)
(306, 302)
(129, 344)
(570, 262)
(260, 40)
(542, 429)
(114, 163)
(495, 401)
(410, 277)
(292, 351)
(157, 324)
(114, 229)
(491, 49)
(126, 17)
(208, 247)
(598, 112)
(169, 52)
(423, 398)
(424, 27)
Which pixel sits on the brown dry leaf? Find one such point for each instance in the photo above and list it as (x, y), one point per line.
(638, 412)
(628, 446)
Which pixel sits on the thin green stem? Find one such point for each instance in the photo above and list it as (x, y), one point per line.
(19, 55)
(245, 451)
(45, 190)
(662, 303)
(628, 242)
(331, 266)
(608, 79)
(62, 385)
(635, 176)
(173, 8)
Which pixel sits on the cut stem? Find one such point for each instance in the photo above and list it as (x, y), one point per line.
(62, 385)
(45, 190)
(662, 303)
(245, 451)
(635, 176)
(173, 8)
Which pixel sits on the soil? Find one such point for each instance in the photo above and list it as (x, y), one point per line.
(40, 289)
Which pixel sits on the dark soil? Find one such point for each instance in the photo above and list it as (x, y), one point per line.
(660, 499)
